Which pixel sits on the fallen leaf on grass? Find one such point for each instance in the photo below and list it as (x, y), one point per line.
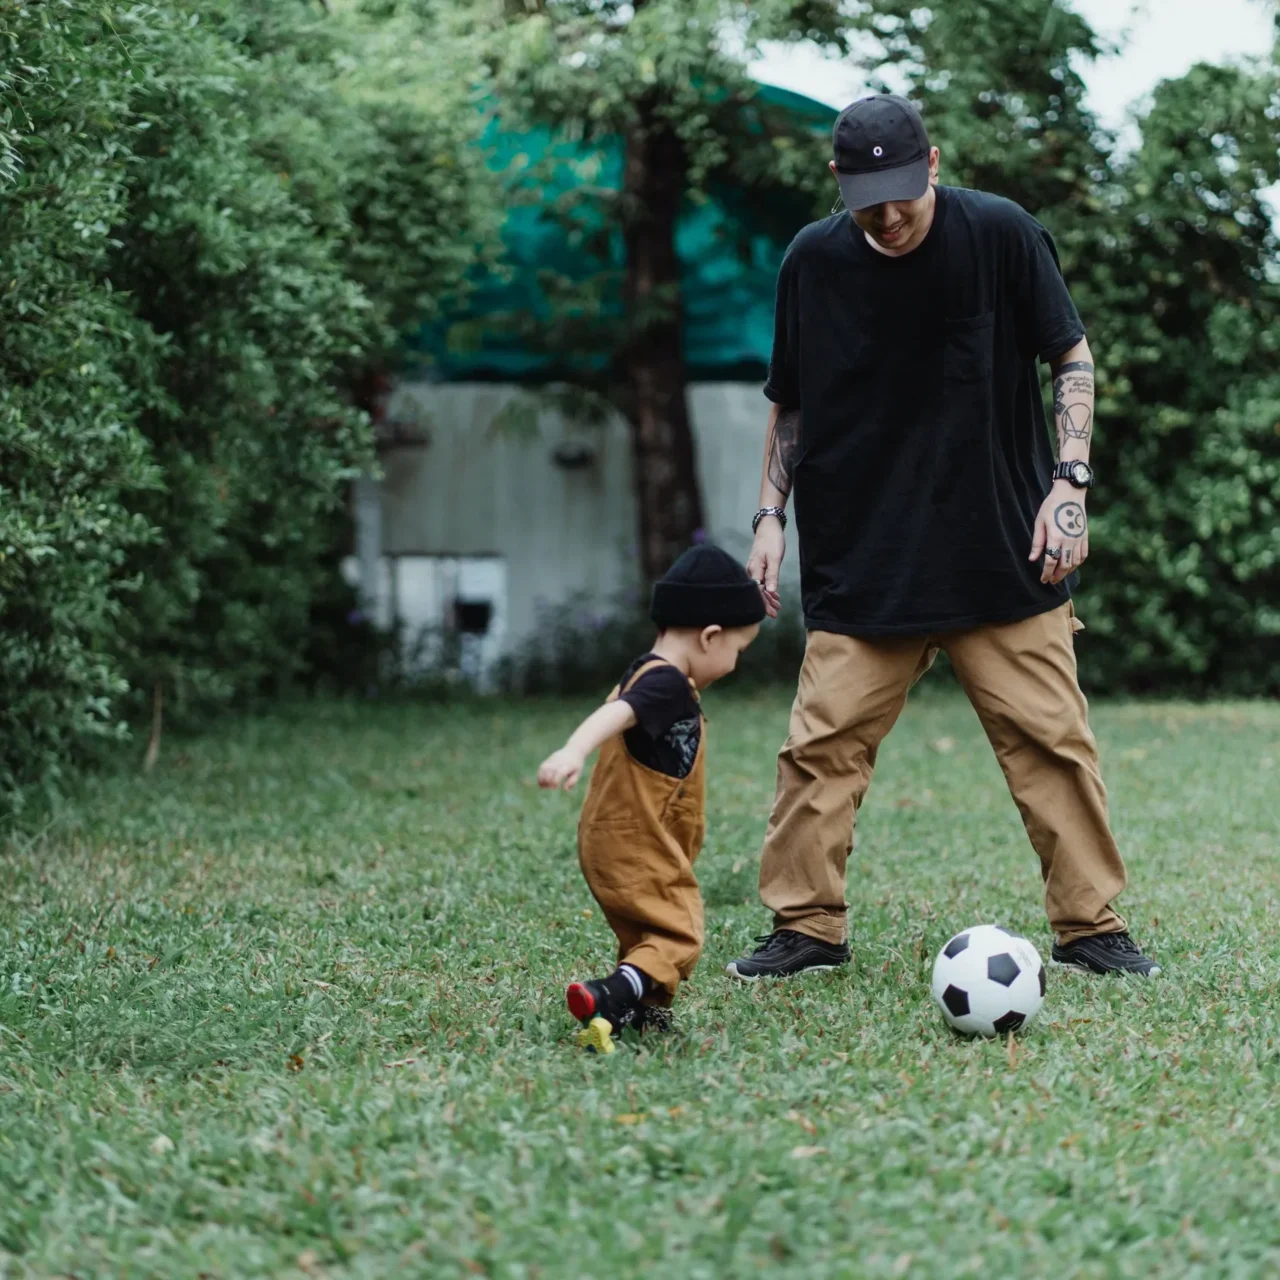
(629, 1117)
(295, 1062)
(401, 1062)
(803, 1153)
(308, 1259)
(161, 1145)
(807, 1125)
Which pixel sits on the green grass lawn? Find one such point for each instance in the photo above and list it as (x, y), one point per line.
(294, 1006)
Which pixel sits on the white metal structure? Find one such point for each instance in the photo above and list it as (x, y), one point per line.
(529, 521)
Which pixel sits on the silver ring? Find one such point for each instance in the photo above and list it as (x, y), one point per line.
(1054, 553)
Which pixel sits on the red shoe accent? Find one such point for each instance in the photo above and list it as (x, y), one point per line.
(582, 1004)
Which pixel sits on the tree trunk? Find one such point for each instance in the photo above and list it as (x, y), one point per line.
(666, 475)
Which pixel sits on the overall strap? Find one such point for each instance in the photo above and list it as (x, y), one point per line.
(644, 671)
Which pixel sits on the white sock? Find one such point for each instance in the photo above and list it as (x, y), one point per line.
(633, 976)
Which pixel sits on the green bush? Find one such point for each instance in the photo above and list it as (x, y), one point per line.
(1173, 261)
(251, 431)
(214, 220)
(74, 467)
(1183, 587)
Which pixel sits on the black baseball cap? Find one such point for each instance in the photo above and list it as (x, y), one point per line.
(881, 151)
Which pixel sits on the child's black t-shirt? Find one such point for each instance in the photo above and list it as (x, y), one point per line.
(668, 724)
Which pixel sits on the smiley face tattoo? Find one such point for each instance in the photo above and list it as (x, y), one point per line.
(1070, 520)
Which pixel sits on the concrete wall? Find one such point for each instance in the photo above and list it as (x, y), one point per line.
(474, 490)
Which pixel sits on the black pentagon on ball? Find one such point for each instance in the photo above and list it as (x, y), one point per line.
(957, 1001)
(1042, 980)
(1010, 1022)
(956, 946)
(1003, 969)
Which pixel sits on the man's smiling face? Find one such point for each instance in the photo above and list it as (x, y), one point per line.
(898, 224)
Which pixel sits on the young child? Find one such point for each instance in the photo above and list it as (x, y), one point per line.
(643, 818)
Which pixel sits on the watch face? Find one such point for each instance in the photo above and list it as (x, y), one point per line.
(1081, 473)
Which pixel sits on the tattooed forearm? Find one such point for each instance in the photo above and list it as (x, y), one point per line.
(783, 448)
(1073, 401)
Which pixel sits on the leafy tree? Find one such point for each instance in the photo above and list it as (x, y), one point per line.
(1172, 258)
(997, 83)
(1185, 289)
(668, 80)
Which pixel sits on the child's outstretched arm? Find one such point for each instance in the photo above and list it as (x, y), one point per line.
(564, 767)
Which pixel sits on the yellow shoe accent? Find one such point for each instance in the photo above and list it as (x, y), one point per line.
(597, 1037)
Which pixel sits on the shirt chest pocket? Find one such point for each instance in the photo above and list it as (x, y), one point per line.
(967, 349)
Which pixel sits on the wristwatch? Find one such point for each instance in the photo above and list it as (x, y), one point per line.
(1077, 473)
(768, 511)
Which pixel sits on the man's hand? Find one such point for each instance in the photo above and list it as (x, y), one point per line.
(561, 769)
(767, 550)
(1061, 533)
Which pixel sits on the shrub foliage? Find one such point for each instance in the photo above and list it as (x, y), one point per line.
(214, 219)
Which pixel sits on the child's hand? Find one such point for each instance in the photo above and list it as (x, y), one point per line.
(561, 769)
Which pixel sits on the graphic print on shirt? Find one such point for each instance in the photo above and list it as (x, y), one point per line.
(668, 726)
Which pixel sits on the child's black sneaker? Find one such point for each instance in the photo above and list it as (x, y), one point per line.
(603, 1012)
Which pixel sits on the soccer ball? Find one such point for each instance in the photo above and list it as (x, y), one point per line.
(988, 981)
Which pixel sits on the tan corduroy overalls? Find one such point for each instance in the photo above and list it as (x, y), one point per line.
(638, 836)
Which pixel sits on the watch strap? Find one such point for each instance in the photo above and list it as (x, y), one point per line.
(1066, 471)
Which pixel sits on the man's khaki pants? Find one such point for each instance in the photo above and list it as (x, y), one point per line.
(1021, 679)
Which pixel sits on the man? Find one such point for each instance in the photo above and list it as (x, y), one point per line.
(908, 421)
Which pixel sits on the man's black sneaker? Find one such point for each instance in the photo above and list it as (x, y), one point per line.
(1104, 953)
(602, 1015)
(786, 952)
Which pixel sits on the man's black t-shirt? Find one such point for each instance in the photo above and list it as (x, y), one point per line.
(668, 724)
(924, 454)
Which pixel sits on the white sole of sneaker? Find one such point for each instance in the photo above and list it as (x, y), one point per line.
(732, 969)
(1064, 967)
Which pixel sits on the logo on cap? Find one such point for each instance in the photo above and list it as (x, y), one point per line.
(877, 152)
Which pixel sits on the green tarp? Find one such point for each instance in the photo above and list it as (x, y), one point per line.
(729, 248)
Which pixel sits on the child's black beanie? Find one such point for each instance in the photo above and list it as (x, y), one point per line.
(706, 587)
